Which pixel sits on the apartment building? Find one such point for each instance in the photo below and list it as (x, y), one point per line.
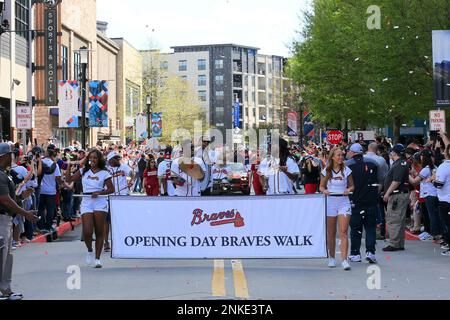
(129, 89)
(225, 73)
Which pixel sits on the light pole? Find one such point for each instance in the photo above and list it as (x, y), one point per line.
(149, 116)
(84, 63)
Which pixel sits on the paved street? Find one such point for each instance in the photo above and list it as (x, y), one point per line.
(40, 273)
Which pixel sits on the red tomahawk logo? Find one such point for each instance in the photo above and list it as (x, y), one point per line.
(238, 222)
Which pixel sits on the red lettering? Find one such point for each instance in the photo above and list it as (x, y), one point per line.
(198, 219)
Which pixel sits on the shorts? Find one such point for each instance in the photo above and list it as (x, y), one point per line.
(338, 206)
(90, 205)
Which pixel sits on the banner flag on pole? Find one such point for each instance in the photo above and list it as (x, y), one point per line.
(157, 129)
(98, 104)
(292, 124)
(141, 126)
(68, 100)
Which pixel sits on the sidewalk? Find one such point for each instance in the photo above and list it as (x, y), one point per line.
(62, 229)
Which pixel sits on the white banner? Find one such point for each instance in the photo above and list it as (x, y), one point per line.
(437, 121)
(141, 126)
(68, 100)
(219, 228)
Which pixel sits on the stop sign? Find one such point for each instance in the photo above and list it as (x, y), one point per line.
(335, 137)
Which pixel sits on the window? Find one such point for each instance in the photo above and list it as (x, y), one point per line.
(246, 97)
(219, 112)
(164, 65)
(219, 95)
(202, 95)
(254, 81)
(246, 112)
(219, 80)
(22, 18)
(218, 64)
(76, 65)
(201, 80)
(201, 64)
(133, 100)
(65, 63)
(184, 78)
(254, 112)
(182, 65)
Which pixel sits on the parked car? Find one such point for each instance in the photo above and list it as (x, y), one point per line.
(239, 178)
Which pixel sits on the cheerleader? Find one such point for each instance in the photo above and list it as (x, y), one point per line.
(97, 181)
(337, 184)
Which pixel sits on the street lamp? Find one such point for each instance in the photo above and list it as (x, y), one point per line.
(84, 62)
(149, 116)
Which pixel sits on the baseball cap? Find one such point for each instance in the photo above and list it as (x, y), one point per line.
(5, 149)
(399, 149)
(356, 148)
(113, 155)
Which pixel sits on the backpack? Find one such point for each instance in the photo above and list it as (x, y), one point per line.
(47, 170)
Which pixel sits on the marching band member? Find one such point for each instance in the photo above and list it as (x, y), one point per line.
(122, 177)
(188, 172)
(97, 181)
(280, 173)
(166, 186)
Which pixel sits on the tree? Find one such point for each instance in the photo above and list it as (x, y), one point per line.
(171, 96)
(377, 77)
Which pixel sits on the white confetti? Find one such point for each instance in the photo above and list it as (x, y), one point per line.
(426, 57)
(357, 59)
(403, 38)
(372, 90)
(387, 47)
(411, 72)
(417, 37)
(408, 27)
(396, 27)
(385, 79)
(448, 84)
(415, 93)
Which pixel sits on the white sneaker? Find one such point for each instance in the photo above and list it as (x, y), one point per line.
(346, 266)
(371, 258)
(98, 264)
(90, 256)
(332, 263)
(355, 258)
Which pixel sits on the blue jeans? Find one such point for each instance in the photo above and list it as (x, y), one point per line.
(138, 185)
(432, 204)
(67, 203)
(46, 210)
(363, 217)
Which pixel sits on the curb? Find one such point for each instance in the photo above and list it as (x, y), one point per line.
(62, 229)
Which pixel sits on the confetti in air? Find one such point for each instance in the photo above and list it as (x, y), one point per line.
(385, 79)
(357, 59)
(396, 27)
(371, 90)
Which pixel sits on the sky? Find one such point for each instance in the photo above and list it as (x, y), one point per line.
(159, 24)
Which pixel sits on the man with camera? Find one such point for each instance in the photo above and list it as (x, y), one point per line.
(8, 210)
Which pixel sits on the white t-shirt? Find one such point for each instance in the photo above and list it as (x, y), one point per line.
(338, 183)
(427, 189)
(163, 172)
(94, 182)
(443, 176)
(192, 187)
(48, 185)
(119, 178)
(279, 182)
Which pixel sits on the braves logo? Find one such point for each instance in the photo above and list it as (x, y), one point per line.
(218, 219)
